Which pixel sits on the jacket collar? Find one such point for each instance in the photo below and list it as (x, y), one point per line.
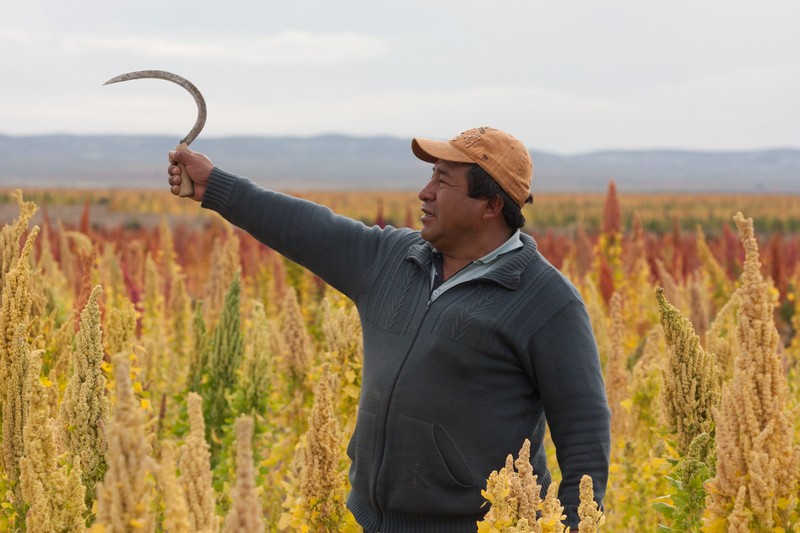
(507, 275)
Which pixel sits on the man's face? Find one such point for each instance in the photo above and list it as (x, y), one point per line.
(450, 218)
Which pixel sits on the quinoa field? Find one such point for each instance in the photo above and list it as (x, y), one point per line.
(163, 371)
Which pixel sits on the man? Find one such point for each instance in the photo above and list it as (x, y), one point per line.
(471, 338)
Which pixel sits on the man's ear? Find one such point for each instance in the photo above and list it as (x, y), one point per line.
(494, 206)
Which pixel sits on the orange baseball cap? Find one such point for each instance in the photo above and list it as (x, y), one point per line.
(502, 156)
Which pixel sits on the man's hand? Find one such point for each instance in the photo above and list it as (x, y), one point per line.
(197, 166)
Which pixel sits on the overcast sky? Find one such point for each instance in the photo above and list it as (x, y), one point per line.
(564, 76)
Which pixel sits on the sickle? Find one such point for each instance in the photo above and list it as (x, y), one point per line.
(187, 187)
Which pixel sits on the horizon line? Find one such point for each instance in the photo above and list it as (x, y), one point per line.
(773, 148)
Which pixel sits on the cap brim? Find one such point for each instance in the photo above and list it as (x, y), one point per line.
(431, 151)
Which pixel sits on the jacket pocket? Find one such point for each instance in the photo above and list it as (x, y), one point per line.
(361, 450)
(426, 472)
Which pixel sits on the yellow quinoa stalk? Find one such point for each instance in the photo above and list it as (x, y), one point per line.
(15, 414)
(691, 382)
(756, 484)
(590, 514)
(120, 327)
(722, 286)
(14, 312)
(176, 511)
(503, 513)
(125, 496)
(256, 369)
(48, 263)
(161, 369)
(195, 467)
(635, 286)
(42, 311)
(245, 515)
(180, 316)
(322, 480)
(637, 469)
(55, 283)
(721, 337)
(84, 409)
(645, 389)
(552, 516)
(15, 307)
(293, 360)
(152, 304)
(596, 308)
(515, 499)
(740, 517)
(269, 282)
(67, 256)
(672, 289)
(793, 349)
(525, 486)
(88, 276)
(699, 304)
(617, 375)
(153, 301)
(198, 355)
(344, 350)
(225, 264)
(53, 401)
(110, 274)
(10, 235)
(297, 356)
(59, 344)
(178, 303)
(342, 330)
(166, 252)
(297, 277)
(45, 320)
(51, 488)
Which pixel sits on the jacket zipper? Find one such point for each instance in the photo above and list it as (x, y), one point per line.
(386, 415)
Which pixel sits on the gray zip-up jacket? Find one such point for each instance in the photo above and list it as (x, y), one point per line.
(451, 387)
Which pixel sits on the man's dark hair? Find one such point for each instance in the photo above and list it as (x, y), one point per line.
(481, 185)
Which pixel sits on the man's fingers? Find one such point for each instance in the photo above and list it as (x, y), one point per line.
(179, 156)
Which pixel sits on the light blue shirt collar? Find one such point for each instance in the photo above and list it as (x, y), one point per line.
(478, 267)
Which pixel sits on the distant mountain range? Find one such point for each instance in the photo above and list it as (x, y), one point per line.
(346, 162)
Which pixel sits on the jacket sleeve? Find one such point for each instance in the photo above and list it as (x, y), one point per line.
(570, 382)
(336, 248)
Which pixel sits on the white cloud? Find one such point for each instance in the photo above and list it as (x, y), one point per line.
(287, 47)
(296, 46)
(16, 37)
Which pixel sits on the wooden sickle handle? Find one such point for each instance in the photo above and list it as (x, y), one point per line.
(187, 185)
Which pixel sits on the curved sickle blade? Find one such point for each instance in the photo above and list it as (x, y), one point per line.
(174, 78)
